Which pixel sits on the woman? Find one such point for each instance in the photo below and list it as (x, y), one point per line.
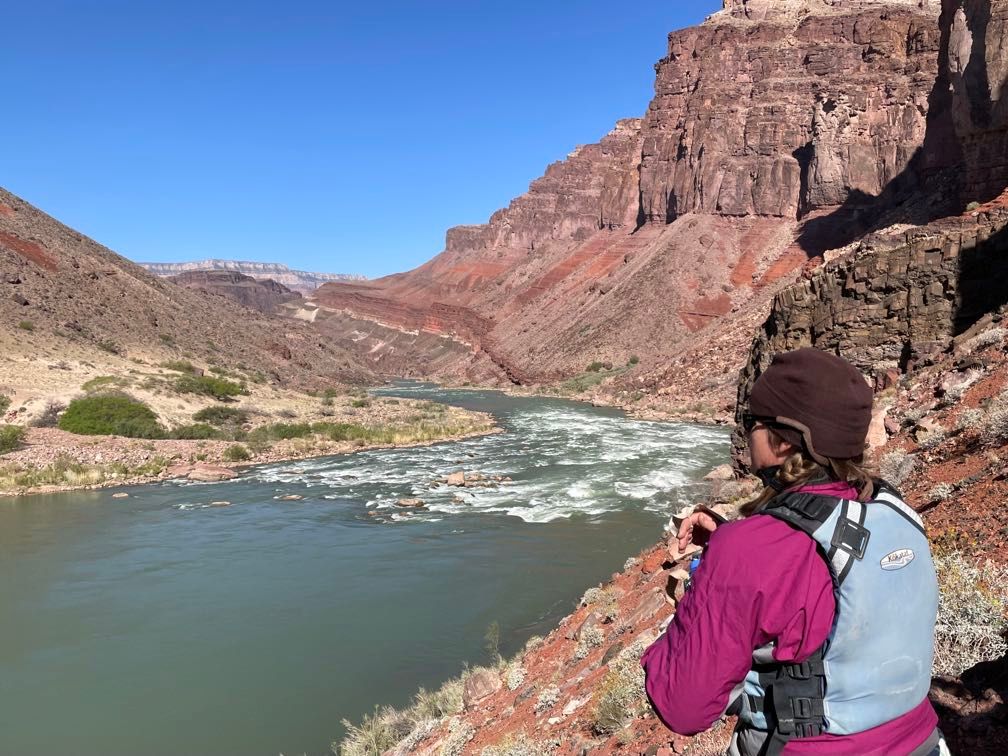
(812, 618)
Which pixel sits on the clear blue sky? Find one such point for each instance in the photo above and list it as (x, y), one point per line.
(332, 136)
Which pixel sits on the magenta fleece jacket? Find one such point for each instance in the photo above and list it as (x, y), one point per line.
(760, 580)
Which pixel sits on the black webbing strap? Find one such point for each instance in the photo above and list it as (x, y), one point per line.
(793, 704)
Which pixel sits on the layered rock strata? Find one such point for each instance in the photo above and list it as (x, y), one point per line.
(264, 295)
(771, 137)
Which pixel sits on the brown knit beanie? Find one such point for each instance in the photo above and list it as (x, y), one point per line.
(821, 400)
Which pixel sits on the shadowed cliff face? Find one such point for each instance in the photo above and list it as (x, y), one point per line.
(265, 295)
(762, 125)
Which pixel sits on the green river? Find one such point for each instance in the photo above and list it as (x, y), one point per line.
(159, 625)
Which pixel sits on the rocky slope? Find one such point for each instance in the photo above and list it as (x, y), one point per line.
(771, 137)
(67, 300)
(264, 295)
(297, 280)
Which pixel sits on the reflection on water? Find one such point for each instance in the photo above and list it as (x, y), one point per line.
(157, 624)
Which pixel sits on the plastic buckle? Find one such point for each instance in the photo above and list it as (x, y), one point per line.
(851, 537)
(802, 671)
(802, 708)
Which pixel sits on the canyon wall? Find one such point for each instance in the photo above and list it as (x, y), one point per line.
(772, 136)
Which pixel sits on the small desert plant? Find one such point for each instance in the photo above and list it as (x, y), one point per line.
(375, 734)
(49, 417)
(106, 345)
(972, 612)
(179, 366)
(604, 601)
(218, 388)
(111, 415)
(221, 415)
(26, 325)
(237, 453)
(620, 695)
(934, 439)
(360, 403)
(595, 367)
(11, 437)
(974, 205)
(941, 492)
(515, 675)
(897, 466)
(969, 419)
(105, 382)
(995, 425)
(634, 359)
(548, 698)
(459, 735)
(590, 637)
(200, 431)
(491, 642)
(5, 403)
(990, 337)
(520, 745)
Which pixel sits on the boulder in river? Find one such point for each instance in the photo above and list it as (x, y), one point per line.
(480, 684)
(220, 504)
(120, 495)
(289, 497)
(410, 503)
(456, 478)
(210, 473)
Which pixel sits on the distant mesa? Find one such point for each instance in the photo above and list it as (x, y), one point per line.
(301, 281)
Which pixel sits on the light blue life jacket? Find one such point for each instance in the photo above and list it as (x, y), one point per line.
(875, 665)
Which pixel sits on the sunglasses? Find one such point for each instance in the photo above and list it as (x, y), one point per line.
(750, 421)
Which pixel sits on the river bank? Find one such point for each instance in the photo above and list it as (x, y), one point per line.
(51, 460)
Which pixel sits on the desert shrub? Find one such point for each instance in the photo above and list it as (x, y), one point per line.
(107, 345)
(941, 492)
(934, 439)
(548, 698)
(179, 366)
(444, 702)
(196, 431)
(5, 403)
(166, 339)
(221, 415)
(634, 359)
(49, 416)
(280, 431)
(995, 425)
(237, 453)
(897, 466)
(604, 601)
(105, 382)
(111, 415)
(969, 419)
(594, 367)
(26, 325)
(520, 745)
(375, 734)
(459, 735)
(218, 388)
(11, 437)
(620, 695)
(990, 337)
(514, 675)
(971, 206)
(359, 403)
(972, 611)
(590, 637)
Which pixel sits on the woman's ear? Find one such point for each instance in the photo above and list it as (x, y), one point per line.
(780, 447)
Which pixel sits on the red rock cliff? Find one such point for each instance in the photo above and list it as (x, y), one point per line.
(765, 118)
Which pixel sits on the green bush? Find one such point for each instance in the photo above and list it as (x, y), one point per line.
(111, 415)
(358, 403)
(595, 367)
(237, 453)
(105, 382)
(26, 325)
(634, 359)
(280, 432)
(107, 345)
(196, 431)
(220, 415)
(179, 366)
(218, 388)
(5, 403)
(11, 437)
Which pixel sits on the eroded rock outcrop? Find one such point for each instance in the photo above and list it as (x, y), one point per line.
(263, 295)
(771, 137)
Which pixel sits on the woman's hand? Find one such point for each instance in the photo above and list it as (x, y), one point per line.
(695, 529)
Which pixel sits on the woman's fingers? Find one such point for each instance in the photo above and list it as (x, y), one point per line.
(695, 529)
